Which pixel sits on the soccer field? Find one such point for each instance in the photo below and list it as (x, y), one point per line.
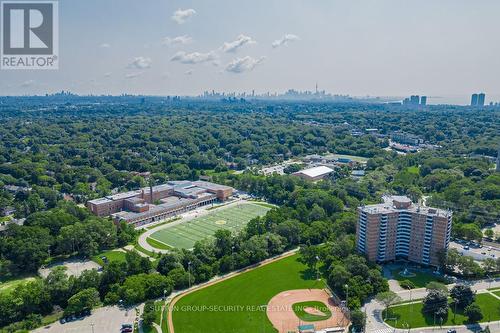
(233, 218)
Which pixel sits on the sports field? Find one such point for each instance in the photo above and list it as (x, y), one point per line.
(236, 305)
(233, 218)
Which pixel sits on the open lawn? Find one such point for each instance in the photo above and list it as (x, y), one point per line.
(157, 245)
(7, 286)
(401, 315)
(300, 310)
(420, 279)
(236, 305)
(185, 234)
(112, 255)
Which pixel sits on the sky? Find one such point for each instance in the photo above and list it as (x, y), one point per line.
(370, 47)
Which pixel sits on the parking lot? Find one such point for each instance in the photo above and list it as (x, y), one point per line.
(478, 253)
(74, 267)
(102, 320)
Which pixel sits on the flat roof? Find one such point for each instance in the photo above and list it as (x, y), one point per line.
(99, 201)
(167, 204)
(211, 186)
(123, 195)
(316, 171)
(388, 207)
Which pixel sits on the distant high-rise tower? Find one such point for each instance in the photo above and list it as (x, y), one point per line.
(480, 99)
(423, 100)
(414, 99)
(498, 159)
(473, 100)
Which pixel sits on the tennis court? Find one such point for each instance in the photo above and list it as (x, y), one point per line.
(233, 218)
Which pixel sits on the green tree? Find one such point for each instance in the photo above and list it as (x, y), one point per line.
(473, 312)
(489, 233)
(462, 295)
(436, 303)
(83, 300)
(388, 298)
(58, 285)
(358, 320)
(434, 285)
(148, 314)
(309, 255)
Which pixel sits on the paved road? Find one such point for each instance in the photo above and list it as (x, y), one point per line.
(375, 324)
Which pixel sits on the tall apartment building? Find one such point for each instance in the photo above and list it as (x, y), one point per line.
(400, 229)
(473, 100)
(481, 99)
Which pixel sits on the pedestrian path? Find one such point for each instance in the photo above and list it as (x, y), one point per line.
(384, 330)
(493, 294)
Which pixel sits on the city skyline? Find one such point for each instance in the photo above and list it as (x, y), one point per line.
(185, 48)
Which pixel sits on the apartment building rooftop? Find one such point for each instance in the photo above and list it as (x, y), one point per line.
(397, 203)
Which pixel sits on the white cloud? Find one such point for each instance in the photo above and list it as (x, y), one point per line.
(28, 83)
(240, 41)
(181, 15)
(285, 40)
(133, 75)
(245, 64)
(188, 72)
(108, 74)
(194, 58)
(105, 46)
(179, 40)
(140, 63)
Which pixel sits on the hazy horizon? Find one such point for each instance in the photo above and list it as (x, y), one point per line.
(447, 49)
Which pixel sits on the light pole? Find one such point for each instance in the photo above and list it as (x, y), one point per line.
(411, 304)
(347, 295)
(317, 268)
(189, 274)
(92, 325)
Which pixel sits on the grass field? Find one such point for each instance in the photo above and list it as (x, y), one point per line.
(299, 310)
(399, 316)
(420, 279)
(112, 255)
(7, 286)
(157, 245)
(236, 305)
(185, 234)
